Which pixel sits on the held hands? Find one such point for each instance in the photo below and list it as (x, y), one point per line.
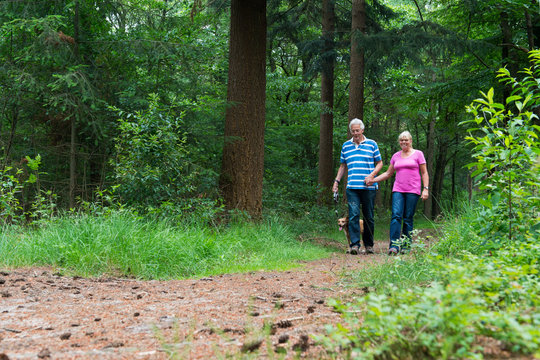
(369, 180)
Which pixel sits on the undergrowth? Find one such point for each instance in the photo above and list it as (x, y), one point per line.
(126, 245)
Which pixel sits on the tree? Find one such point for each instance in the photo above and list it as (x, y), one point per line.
(326, 155)
(358, 28)
(243, 153)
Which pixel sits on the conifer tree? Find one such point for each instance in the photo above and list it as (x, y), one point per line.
(243, 153)
(327, 100)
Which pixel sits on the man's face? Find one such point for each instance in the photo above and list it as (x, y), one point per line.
(357, 132)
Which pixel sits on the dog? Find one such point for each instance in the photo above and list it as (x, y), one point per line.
(343, 224)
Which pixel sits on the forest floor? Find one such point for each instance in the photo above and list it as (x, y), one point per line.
(46, 315)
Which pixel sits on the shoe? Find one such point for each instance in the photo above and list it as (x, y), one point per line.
(369, 250)
(354, 250)
(392, 251)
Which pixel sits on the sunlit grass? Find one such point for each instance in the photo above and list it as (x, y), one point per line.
(125, 245)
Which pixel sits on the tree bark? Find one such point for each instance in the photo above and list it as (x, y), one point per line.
(14, 120)
(73, 162)
(326, 155)
(74, 118)
(438, 179)
(506, 33)
(356, 91)
(430, 151)
(242, 169)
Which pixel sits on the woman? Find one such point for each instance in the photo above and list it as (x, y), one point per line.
(411, 172)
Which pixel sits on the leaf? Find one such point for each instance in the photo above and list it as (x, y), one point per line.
(512, 98)
(490, 94)
(32, 179)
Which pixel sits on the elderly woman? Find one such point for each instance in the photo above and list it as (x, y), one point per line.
(411, 172)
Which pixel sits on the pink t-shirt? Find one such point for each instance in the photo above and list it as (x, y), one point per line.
(408, 178)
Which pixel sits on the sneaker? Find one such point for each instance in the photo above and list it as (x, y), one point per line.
(392, 251)
(354, 250)
(369, 250)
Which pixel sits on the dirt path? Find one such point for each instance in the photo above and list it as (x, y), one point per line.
(48, 316)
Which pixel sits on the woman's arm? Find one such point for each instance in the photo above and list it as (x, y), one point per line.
(385, 175)
(425, 180)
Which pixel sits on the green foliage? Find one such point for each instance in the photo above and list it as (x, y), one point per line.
(125, 244)
(153, 168)
(470, 300)
(14, 207)
(10, 186)
(506, 148)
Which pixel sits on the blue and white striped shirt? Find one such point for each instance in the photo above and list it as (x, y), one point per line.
(360, 160)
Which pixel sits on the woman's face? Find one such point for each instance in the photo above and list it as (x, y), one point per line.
(405, 143)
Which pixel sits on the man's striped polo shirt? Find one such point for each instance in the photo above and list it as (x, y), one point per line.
(360, 160)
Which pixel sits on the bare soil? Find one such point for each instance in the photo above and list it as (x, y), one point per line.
(46, 315)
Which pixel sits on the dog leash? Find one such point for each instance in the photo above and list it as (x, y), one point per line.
(336, 203)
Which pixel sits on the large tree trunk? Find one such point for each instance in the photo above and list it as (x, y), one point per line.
(326, 168)
(74, 118)
(243, 153)
(73, 162)
(356, 92)
(533, 35)
(430, 153)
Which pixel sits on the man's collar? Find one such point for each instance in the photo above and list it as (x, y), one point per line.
(365, 139)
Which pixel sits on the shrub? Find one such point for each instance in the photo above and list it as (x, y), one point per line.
(154, 170)
(506, 151)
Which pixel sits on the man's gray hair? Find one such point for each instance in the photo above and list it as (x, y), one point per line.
(356, 121)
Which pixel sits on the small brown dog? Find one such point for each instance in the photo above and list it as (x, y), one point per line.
(343, 224)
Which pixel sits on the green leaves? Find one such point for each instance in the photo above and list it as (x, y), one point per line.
(505, 149)
(479, 298)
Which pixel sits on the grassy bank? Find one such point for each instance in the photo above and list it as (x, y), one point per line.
(125, 245)
(458, 299)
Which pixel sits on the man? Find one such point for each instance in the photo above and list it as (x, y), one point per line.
(361, 158)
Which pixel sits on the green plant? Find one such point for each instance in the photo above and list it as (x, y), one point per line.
(476, 298)
(506, 152)
(13, 181)
(153, 168)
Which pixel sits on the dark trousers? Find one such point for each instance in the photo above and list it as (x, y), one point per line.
(403, 208)
(361, 200)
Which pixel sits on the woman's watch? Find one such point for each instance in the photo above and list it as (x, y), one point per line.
(425, 187)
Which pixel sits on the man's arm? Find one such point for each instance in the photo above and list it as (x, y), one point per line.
(378, 167)
(342, 169)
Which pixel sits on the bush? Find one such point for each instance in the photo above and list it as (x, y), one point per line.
(506, 151)
(154, 170)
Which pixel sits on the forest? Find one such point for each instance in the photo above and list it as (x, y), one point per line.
(204, 116)
(133, 95)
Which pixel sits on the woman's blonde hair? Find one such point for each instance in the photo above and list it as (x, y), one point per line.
(405, 134)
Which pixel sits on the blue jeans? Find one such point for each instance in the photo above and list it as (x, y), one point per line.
(403, 208)
(364, 200)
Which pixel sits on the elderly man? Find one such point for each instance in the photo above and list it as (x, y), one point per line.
(361, 158)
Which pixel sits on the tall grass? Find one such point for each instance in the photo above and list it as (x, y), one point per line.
(126, 245)
(456, 236)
